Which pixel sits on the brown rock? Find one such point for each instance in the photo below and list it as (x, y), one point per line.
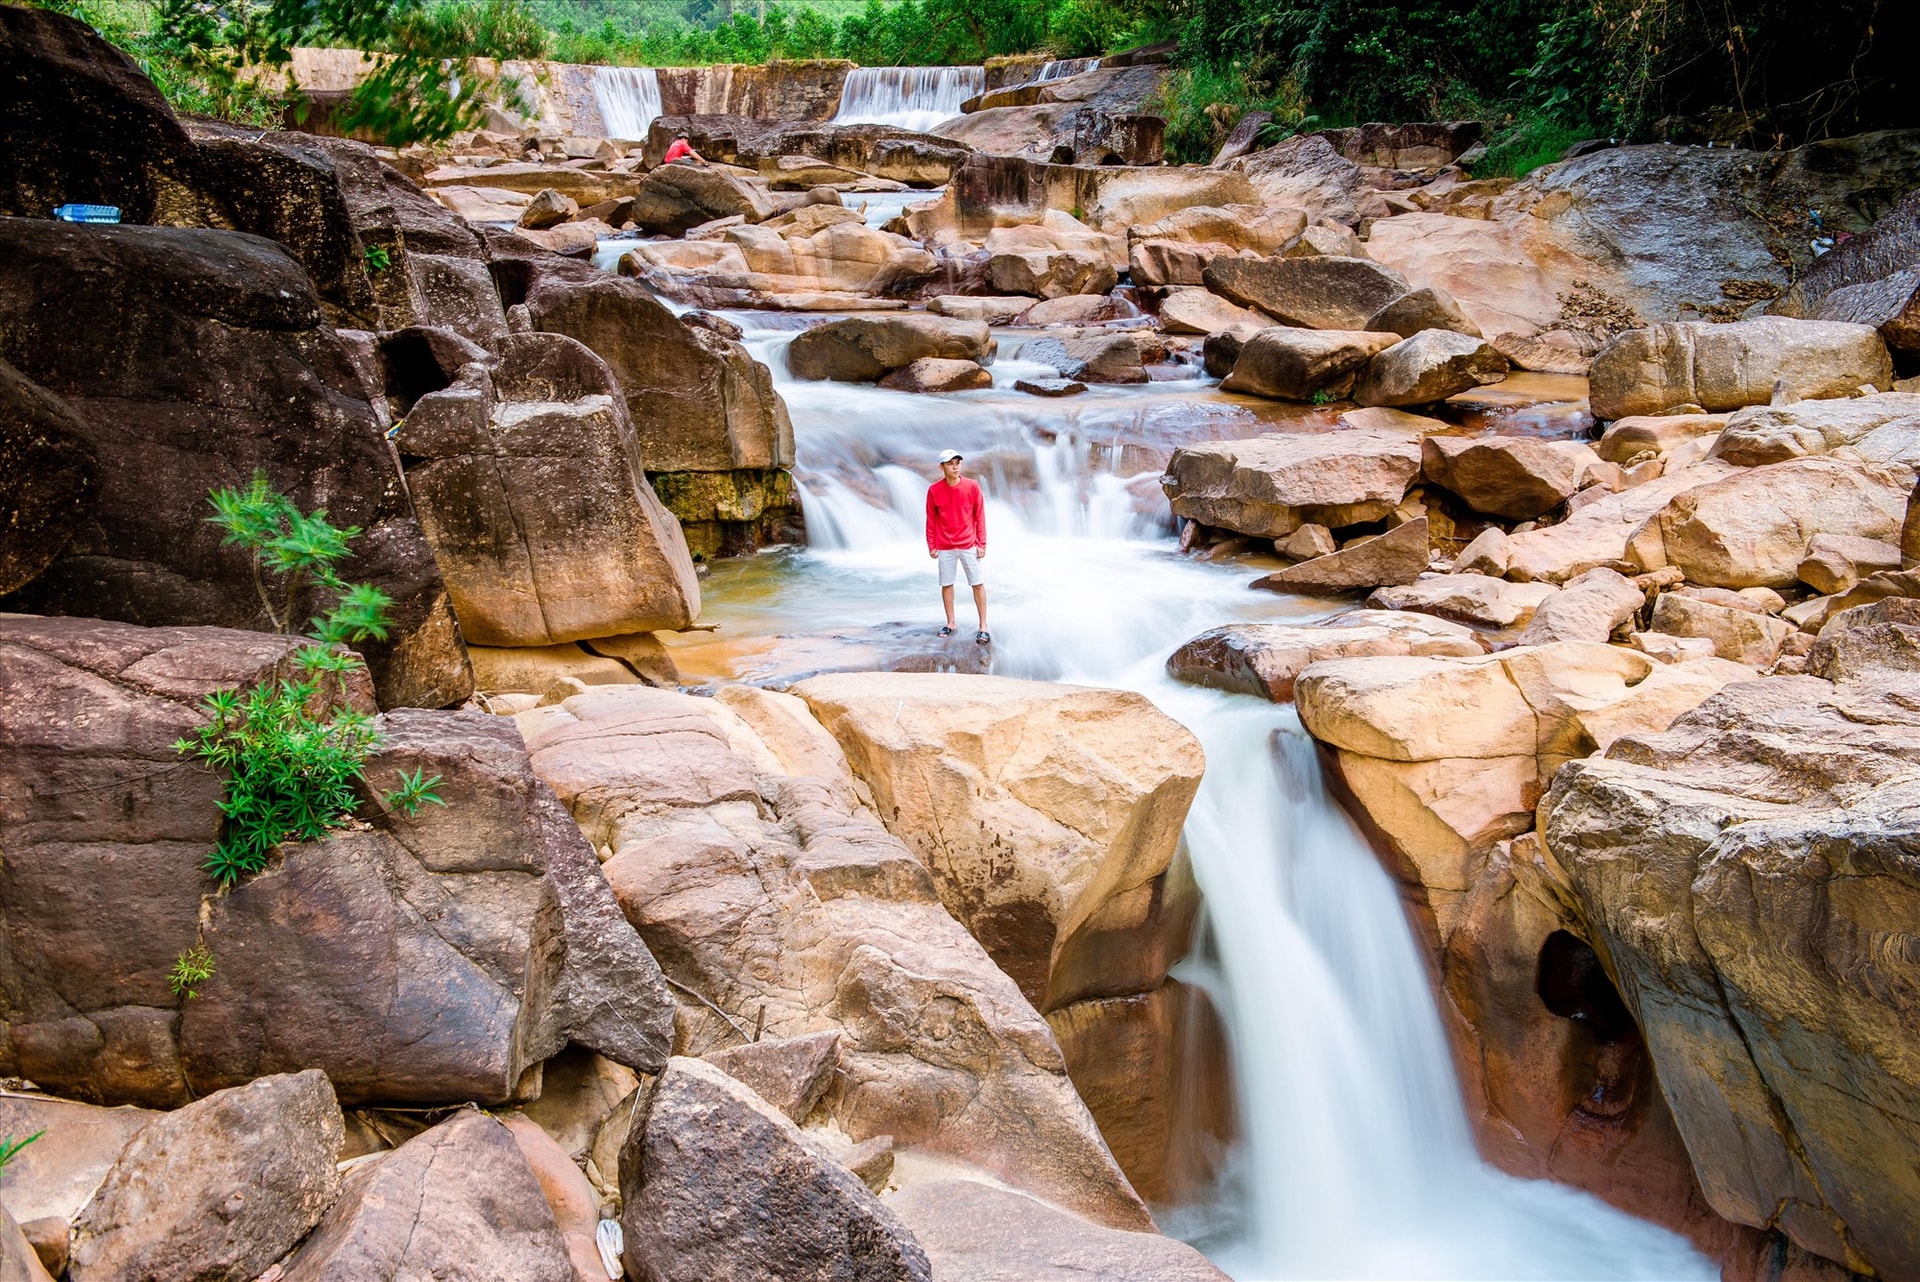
(705, 1150)
(1269, 486)
(1089, 356)
(1596, 533)
(790, 1073)
(1743, 636)
(978, 1233)
(1518, 477)
(863, 348)
(1628, 438)
(1466, 597)
(53, 1177)
(1724, 367)
(1316, 293)
(1043, 854)
(1263, 659)
(1294, 364)
(1201, 311)
(1398, 556)
(932, 374)
(548, 208)
(1775, 433)
(1422, 309)
(1590, 607)
(1306, 543)
(674, 199)
(219, 1189)
(1431, 366)
(20, 1261)
(1835, 562)
(457, 1202)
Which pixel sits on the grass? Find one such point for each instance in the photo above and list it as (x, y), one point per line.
(1517, 149)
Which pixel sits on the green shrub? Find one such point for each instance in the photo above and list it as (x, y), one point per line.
(190, 970)
(289, 748)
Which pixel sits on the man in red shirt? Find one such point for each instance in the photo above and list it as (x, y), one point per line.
(680, 150)
(957, 537)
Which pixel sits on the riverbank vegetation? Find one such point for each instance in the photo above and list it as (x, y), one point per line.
(1753, 72)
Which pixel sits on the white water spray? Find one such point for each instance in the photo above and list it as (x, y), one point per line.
(629, 100)
(916, 98)
(1355, 1158)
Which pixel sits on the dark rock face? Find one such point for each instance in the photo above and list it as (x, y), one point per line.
(1871, 279)
(717, 1183)
(84, 126)
(434, 957)
(1318, 293)
(865, 348)
(1420, 145)
(458, 1203)
(219, 1189)
(48, 476)
(192, 358)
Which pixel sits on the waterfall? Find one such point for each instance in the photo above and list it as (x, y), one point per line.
(629, 100)
(1060, 69)
(1356, 1157)
(915, 98)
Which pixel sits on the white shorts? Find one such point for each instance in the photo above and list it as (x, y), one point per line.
(963, 558)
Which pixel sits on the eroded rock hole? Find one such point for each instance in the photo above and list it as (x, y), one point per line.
(411, 368)
(1574, 985)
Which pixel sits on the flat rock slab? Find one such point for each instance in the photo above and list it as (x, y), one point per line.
(1049, 386)
(1262, 659)
(1398, 556)
(976, 1232)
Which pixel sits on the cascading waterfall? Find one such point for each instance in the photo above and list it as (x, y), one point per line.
(915, 98)
(1061, 68)
(1355, 1158)
(629, 100)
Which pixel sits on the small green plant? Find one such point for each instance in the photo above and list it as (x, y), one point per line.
(414, 792)
(1323, 397)
(290, 751)
(190, 970)
(10, 1147)
(378, 259)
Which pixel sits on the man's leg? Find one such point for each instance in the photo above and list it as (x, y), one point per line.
(979, 603)
(946, 600)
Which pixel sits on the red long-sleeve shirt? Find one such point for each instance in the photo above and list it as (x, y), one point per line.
(956, 516)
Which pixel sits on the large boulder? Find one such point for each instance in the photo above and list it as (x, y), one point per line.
(1726, 367)
(1424, 308)
(1466, 597)
(1321, 292)
(824, 248)
(1048, 815)
(1089, 355)
(1431, 366)
(1269, 486)
(1201, 311)
(861, 349)
(1518, 477)
(715, 1182)
(99, 317)
(219, 1189)
(815, 918)
(1176, 249)
(1751, 529)
(1264, 659)
(1307, 174)
(991, 191)
(1730, 871)
(56, 1175)
(1294, 364)
(461, 945)
(528, 480)
(456, 1202)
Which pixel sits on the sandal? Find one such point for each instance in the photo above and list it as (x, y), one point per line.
(944, 632)
(983, 637)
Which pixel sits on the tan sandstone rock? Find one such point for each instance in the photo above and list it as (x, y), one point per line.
(1431, 366)
(1518, 477)
(1263, 659)
(1293, 364)
(1725, 367)
(1316, 293)
(1270, 486)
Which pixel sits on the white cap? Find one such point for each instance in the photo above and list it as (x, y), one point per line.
(948, 456)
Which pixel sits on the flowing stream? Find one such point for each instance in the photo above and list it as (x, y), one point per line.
(1355, 1157)
(916, 98)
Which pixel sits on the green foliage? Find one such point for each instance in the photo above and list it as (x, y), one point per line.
(414, 792)
(290, 754)
(10, 1147)
(377, 259)
(190, 970)
(1521, 146)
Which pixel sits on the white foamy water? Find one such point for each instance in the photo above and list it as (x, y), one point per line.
(1355, 1158)
(1061, 68)
(629, 100)
(915, 98)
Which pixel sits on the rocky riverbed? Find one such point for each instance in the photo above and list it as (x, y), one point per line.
(1437, 800)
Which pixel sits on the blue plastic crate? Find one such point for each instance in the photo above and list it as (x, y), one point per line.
(88, 213)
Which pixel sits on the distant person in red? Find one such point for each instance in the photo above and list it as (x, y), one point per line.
(957, 537)
(683, 150)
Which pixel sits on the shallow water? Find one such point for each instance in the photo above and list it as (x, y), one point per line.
(1355, 1157)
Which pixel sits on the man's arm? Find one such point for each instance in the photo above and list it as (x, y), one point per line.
(930, 552)
(979, 519)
